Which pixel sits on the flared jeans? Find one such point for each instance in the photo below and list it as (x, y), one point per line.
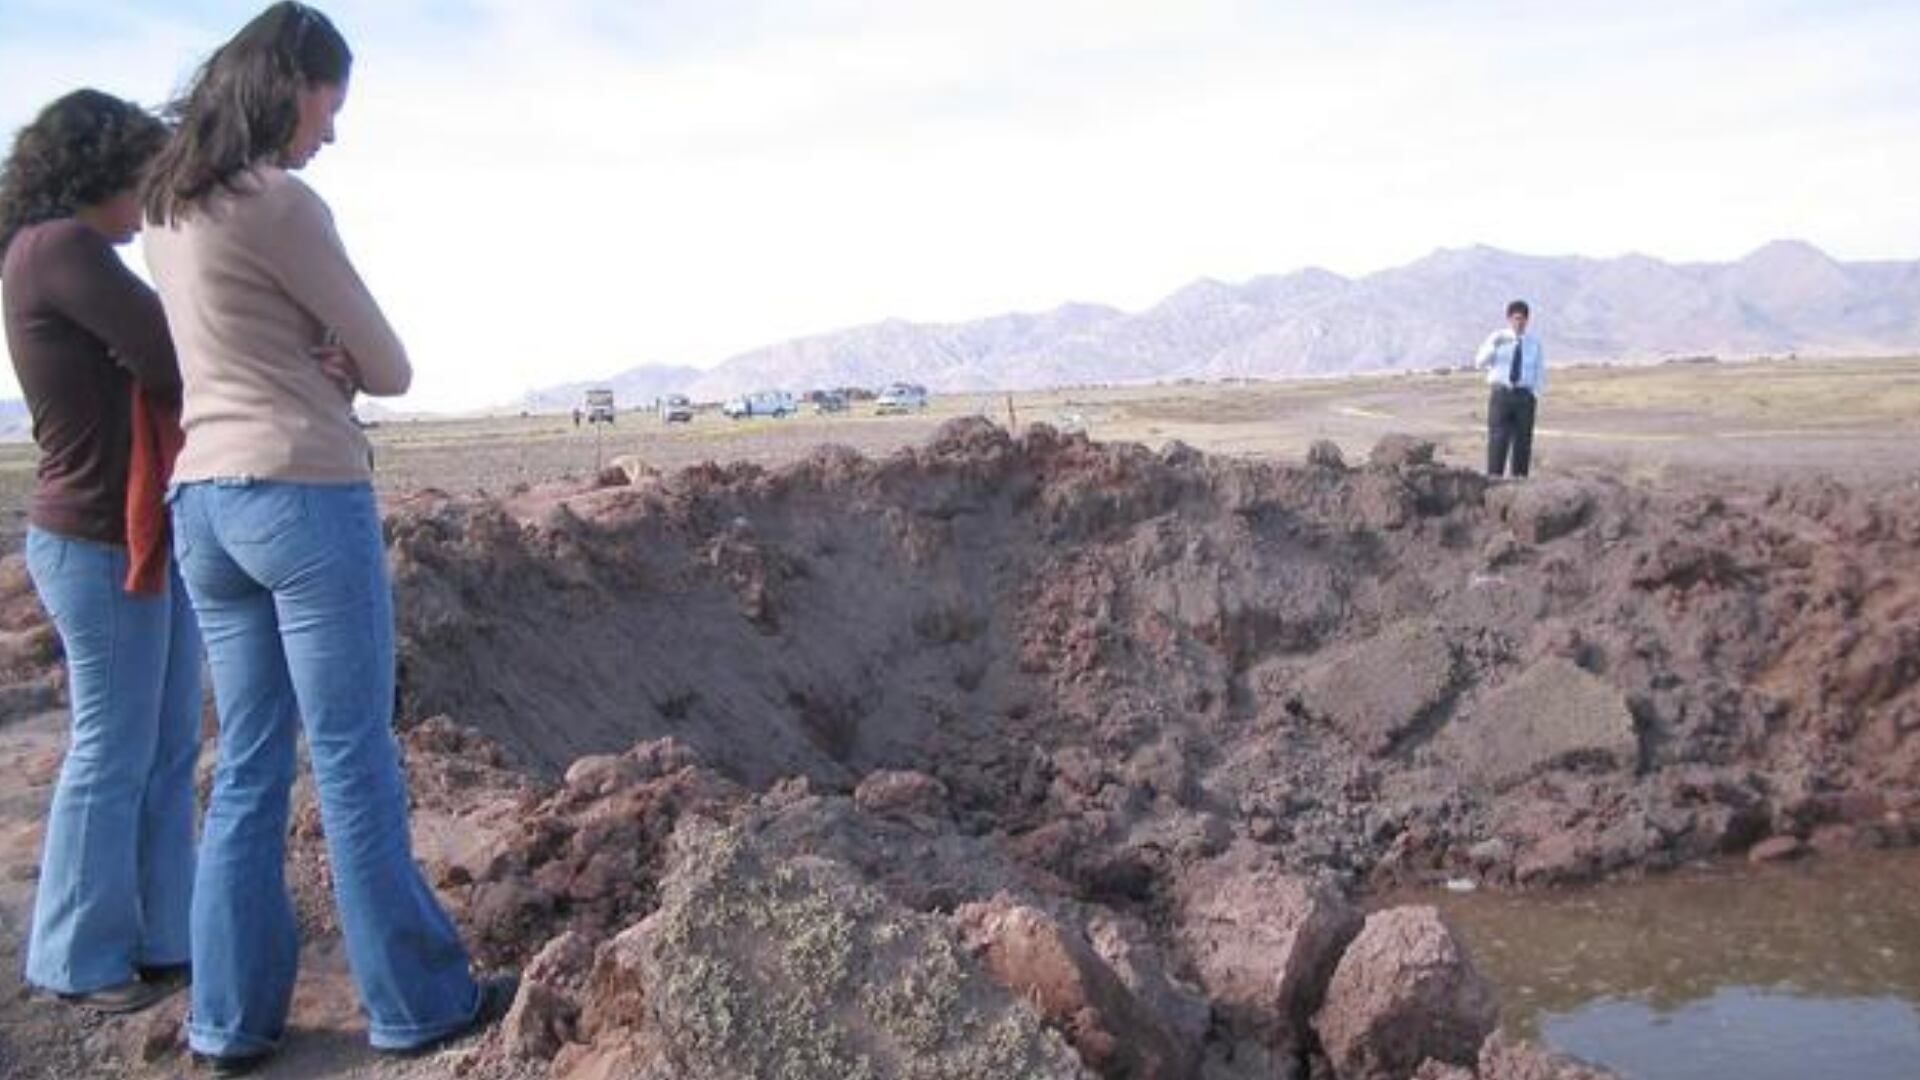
(116, 872)
(289, 581)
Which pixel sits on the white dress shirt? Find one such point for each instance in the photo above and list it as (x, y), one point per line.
(1497, 356)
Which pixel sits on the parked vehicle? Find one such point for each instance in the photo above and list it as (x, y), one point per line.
(599, 406)
(901, 398)
(676, 409)
(759, 403)
(829, 401)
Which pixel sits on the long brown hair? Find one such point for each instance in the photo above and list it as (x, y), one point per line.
(242, 107)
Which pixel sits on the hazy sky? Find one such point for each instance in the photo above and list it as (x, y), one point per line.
(556, 190)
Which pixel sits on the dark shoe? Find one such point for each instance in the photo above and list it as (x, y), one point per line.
(231, 1064)
(496, 997)
(167, 974)
(127, 997)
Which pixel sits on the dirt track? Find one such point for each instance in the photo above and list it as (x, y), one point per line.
(961, 687)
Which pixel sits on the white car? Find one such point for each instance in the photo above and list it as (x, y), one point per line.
(900, 398)
(759, 403)
(676, 409)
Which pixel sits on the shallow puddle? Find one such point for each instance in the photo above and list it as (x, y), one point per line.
(1807, 970)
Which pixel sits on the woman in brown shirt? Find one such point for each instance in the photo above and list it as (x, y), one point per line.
(110, 916)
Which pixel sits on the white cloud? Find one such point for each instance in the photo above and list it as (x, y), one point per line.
(541, 192)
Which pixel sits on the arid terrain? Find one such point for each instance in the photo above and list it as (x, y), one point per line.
(1079, 734)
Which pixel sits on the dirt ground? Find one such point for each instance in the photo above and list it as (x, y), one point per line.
(1079, 679)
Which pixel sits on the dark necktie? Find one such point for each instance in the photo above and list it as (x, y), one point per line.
(1513, 375)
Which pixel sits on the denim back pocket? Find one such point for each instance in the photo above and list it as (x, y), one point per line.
(261, 513)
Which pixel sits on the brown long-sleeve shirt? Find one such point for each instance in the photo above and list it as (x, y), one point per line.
(252, 282)
(81, 327)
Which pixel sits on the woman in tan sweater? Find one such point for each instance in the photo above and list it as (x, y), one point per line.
(279, 541)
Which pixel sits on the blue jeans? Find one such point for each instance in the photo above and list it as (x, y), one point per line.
(116, 874)
(290, 583)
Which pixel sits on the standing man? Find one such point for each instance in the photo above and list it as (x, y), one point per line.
(1517, 371)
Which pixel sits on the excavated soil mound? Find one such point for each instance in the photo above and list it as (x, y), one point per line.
(1120, 660)
(1111, 733)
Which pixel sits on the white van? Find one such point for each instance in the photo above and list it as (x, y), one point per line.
(759, 403)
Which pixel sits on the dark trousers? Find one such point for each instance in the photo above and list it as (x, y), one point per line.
(1509, 428)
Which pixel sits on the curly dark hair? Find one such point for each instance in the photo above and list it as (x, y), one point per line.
(83, 149)
(242, 106)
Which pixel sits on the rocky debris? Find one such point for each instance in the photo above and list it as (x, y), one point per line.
(1553, 715)
(1104, 653)
(1057, 969)
(1404, 992)
(581, 858)
(1385, 687)
(1262, 943)
(1539, 511)
(1503, 1058)
(758, 964)
(1400, 451)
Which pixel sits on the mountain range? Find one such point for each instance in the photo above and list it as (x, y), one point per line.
(1786, 297)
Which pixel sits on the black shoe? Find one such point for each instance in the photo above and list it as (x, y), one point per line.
(127, 997)
(231, 1064)
(496, 997)
(180, 974)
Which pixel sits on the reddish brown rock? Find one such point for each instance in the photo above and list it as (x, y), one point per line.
(1404, 992)
(1057, 970)
(1262, 942)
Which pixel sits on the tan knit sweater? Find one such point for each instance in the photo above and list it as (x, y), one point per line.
(251, 283)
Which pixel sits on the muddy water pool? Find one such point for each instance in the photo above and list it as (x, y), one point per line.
(1796, 971)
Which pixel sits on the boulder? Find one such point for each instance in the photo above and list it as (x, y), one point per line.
(761, 964)
(1404, 992)
(1076, 993)
(1553, 715)
(1381, 689)
(1262, 942)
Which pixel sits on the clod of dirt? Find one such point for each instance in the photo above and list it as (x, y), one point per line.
(1404, 992)
(1386, 687)
(1554, 715)
(1400, 451)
